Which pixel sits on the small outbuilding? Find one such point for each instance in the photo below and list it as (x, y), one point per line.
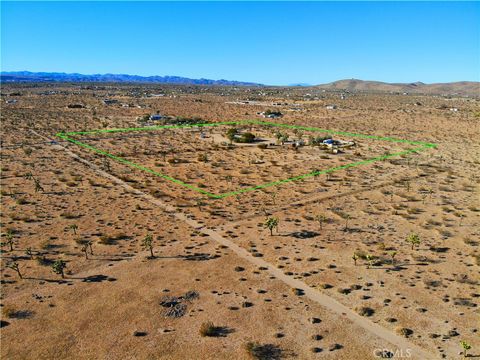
(156, 117)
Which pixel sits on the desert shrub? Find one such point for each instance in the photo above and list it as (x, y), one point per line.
(8, 311)
(202, 157)
(406, 332)
(365, 311)
(68, 215)
(208, 329)
(43, 261)
(107, 240)
(46, 244)
(246, 138)
(298, 292)
(173, 161)
(262, 352)
(476, 258)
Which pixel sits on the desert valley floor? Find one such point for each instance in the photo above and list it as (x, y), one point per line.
(335, 279)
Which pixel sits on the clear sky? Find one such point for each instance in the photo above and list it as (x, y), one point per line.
(276, 43)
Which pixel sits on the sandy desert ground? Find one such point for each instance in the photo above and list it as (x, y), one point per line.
(337, 279)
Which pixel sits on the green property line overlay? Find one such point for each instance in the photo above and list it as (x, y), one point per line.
(419, 146)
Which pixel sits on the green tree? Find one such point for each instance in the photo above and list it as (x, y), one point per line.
(321, 219)
(14, 266)
(147, 244)
(74, 228)
(271, 223)
(10, 239)
(58, 267)
(84, 246)
(465, 346)
(163, 153)
(347, 217)
(274, 197)
(279, 136)
(414, 240)
(355, 258)
(231, 133)
(370, 260)
(392, 255)
(37, 186)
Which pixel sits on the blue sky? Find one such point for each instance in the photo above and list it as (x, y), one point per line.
(269, 42)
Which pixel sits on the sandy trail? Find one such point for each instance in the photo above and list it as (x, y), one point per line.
(399, 343)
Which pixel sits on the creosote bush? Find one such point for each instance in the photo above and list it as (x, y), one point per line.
(208, 329)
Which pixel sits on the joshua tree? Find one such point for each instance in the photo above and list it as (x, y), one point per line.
(424, 196)
(414, 240)
(58, 267)
(28, 176)
(315, 173)
(271, 223)
(392, 255)
(163, 153)
(74, 228)
(90, 246)
(465, 346)
(231, 134)
(321, 219)
(10, 239)
(84, 245)
(370, 259)
(36, 183)
(37, 186)
(147, 244)
(85, 249)
(279, 136)
(407, 184)
(29, 252)
(355, 258)
(346, 217)
(15, 266)
(199, 203)
(274, 197)
(106, 164)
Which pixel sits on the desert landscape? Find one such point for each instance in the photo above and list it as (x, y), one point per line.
(147, 221)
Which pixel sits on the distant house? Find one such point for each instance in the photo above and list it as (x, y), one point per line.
(110, 101)
(271, 114)
(75, 106)
(156, 117)
(331, 107)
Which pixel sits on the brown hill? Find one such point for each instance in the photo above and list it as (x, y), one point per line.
(470, 88)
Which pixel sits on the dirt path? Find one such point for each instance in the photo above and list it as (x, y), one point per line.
(399, 343)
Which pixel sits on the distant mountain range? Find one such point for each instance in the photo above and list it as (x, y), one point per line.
(470, 88)
(27, 76)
